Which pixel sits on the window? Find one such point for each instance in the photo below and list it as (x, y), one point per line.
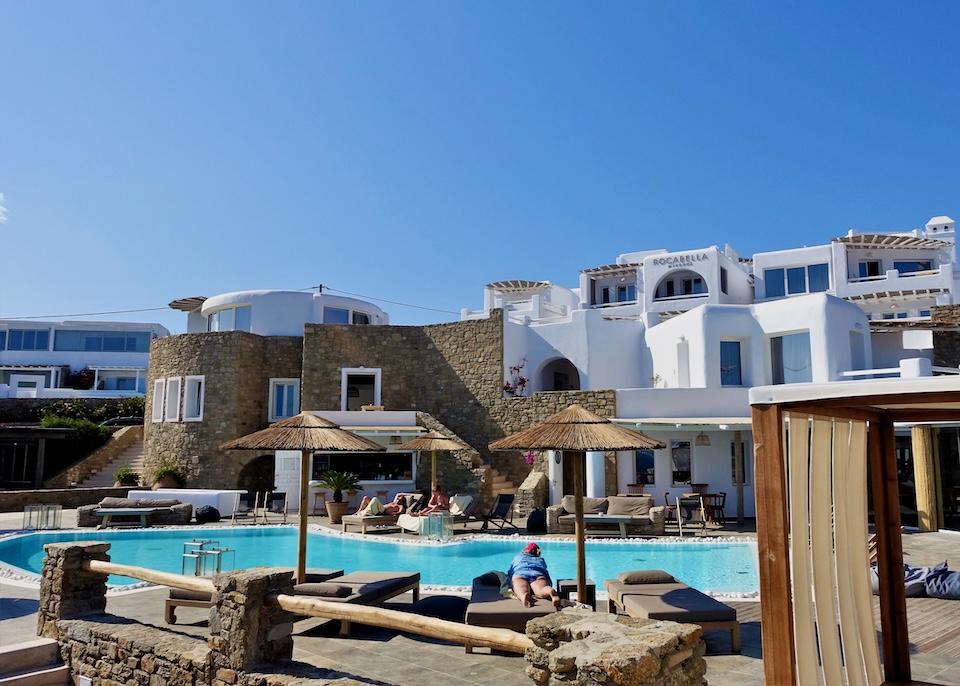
(692, 286)
(605, 295)
(626, 293)
(28, 339)
(790, 358)
(796, 280)
(747, 463)
(670, 289)
(126, 383)
(193, 399)
(818, 278)
(923, 313)
(172, 409)
(102, 341)
(361, 318)
(909, 267)
(157, 413)
(723, 279)
(230, 319)
(773, 278)
(284, 398)
(644, 465)
(680, 462)
(869, 268)
(730, 371)
(3, 340)
(336, 315)
(359, 387)
(858, 354)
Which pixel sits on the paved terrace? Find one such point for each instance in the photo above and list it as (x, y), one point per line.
(376, 656)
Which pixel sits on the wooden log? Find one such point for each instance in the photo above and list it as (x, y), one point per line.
(188, 583)
(474, 636)
(924, 475)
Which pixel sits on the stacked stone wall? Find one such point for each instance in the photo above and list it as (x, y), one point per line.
(236, 367)
(582, 647)
(946, 344)
(98, 460)
(67, 498)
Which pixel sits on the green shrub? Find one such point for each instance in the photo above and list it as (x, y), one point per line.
(169, 467)
(127, 476)
(87, 436)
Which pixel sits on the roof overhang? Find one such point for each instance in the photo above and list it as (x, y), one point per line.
(612, 269)
(880, 241)
(895, 295)
(518, 286)
(188, 304)
(722, 423)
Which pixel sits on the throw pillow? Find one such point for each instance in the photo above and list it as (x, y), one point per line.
(590, 505)
(448, 607)
(490, 579)
(629, 507)
(324, 590)
(157, 502)
(119, 502)
(645, 576)
(944, 585)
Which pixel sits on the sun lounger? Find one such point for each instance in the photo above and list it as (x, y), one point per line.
(653, 594)
(362, 588)
(179, 597)
(489, 608)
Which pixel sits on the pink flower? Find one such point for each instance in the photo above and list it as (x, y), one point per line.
(530, 457)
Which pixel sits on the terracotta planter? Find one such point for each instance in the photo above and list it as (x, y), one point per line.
(167, 482)
(336, 511)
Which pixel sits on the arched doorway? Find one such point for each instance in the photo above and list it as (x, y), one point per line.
(680, 283)
(257, 475)
(559, 375)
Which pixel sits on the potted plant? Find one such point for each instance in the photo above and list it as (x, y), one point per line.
(168, 473)
(338, 482)
(125, 476)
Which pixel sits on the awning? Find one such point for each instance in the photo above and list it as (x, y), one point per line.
(722, 423)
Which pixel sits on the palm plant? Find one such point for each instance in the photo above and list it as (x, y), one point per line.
(338, 482)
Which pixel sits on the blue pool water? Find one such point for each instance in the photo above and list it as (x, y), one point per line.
(723, 568)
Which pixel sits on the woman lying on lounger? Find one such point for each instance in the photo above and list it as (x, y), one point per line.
(528, 575)
(438, 503)
(372, 506)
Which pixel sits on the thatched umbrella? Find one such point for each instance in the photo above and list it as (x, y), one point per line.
(305, 432)
(433, 441)
(577, 429)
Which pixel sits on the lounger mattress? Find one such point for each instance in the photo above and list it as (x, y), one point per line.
(488, 608)
(675, 602)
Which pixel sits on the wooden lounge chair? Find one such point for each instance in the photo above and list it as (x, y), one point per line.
(364, 521)
(247, 505)
(275, 503)
(179, 597)
(488, 607)
(654, 594)
(501, 513)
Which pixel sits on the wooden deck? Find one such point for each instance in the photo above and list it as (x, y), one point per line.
(932, 624)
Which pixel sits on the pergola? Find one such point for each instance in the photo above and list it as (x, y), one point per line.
(813, 444)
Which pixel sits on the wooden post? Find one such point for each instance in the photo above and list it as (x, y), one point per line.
(580, 532)
(773, 535)
(738, 468)
(924, 476)
(302, 516)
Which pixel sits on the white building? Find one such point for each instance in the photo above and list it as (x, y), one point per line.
(36, 358)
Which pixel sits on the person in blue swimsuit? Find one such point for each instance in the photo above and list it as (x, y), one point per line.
(530, 579)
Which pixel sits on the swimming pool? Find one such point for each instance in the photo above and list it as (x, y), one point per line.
(719, 567)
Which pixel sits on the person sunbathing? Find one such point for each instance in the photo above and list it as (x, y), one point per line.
(438, 503)
(373, 506)
(530, 579)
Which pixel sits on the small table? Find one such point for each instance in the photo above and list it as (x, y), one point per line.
(439, 525)
(622, 521)
(568, 587)
(108, 513)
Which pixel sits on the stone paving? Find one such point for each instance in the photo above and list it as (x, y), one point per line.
(376, 656)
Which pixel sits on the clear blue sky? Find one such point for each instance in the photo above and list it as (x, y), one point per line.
(415, 151)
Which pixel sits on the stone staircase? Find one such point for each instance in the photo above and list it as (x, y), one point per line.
(132, 457)
(500, 484)
(33, 663)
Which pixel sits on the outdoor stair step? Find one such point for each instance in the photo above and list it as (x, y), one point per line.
(19, 657)
(47, 676)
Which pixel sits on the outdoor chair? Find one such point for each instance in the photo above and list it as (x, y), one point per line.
(247, 505)
(669, 511)
(276, 503)
(501, 514)
(693, 511)
(715, 504)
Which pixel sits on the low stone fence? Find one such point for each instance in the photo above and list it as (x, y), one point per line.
(582, 647)
(67, 498)
(99, 459)
(250, 642)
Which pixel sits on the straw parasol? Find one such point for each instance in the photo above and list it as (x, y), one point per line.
(577, 429)
(433, 441)
(305, 432)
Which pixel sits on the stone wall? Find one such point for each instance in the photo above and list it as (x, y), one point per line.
(237, 368)
(946, 344)
(582, 647)
(98, 459)
(68, 498)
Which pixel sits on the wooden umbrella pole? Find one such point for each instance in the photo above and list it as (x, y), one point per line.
(433, 471)
(302, 518)
(580, 533)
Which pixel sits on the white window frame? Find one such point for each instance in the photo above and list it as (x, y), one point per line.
(172, 408)
(346, 372)
(295, 383)
(193, 385)
(159, 388)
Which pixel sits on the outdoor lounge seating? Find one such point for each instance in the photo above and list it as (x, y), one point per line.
(461, 509)
(247, 506)
(179, 597)
(276, 503)
(629, 514)
(160, 511)
(654, 594)
(362, 588)
(501, 512)
(488, 607)
(365, 521)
